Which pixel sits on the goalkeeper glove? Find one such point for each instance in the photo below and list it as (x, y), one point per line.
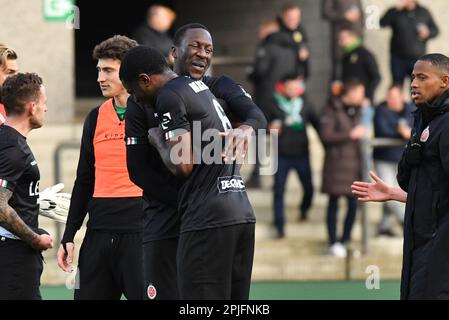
(54, 204)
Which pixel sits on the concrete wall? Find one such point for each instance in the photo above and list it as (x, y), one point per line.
(46, 48)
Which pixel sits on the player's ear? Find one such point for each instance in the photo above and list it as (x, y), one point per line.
(174, 52)
(445, 81)
(144, 80)
(31, 106)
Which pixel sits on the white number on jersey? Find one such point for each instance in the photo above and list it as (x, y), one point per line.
(221, 114)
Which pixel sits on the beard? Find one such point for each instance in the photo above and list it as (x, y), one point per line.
(36, 123)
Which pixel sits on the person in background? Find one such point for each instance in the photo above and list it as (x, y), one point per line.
(8, 67)
(154, 32)
(339, 13)
(265, 70)
(341, 133)
(291, 114)
(412, 27)
(294, 35)
(393, 119)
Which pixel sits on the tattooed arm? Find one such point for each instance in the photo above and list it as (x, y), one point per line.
(10, 220)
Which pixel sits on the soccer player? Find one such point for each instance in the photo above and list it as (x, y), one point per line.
(21, 241)
(110, 261)
(192, 47)
(216, 245)
(423, 176)
(8, 67)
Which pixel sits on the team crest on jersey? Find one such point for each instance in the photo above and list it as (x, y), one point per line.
(354, 58)
(151, 292)
(297, 36)
(425, 135)
(230, 184)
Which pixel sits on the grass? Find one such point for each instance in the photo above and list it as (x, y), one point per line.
(307, 290)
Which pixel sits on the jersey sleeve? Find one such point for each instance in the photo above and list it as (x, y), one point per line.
(238, 101)
(172, 114)
(225, 88)
(83, 188)
(145, 167)
(136, 124)
(12, 166)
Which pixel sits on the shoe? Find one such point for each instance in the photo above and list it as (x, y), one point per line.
(303, 216)
(338, 250)
(253, 183)
(280, 234)
(386, 233)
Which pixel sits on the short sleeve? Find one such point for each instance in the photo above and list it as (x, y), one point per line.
(12, 166)
(172, 114)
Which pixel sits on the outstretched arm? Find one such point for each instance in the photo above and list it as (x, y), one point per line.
(377, 191)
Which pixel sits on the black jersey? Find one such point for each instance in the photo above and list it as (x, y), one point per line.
(146, 170)
(237, 101)
(19, 173)
(214, 194)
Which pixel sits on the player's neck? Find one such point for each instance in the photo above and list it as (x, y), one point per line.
(121, 99)
(170, 75)
(19, 124)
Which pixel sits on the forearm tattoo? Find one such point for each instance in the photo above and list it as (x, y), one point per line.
(10, 220)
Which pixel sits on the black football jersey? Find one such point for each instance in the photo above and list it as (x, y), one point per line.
(161, 220)
(19, 173)
(214, 194)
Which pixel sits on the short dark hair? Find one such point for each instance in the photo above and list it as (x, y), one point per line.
(395, 85)
(438, 60)
(291, 76)
(345, 26)
(142, 59)
(180, 33)
(288, 7)
(350, 84)
(113, 48)
(18, 90)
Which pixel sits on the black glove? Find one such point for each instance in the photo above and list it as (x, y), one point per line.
(413, 154)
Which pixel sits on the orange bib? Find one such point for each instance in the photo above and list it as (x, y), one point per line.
(111, 174)
(2, 114)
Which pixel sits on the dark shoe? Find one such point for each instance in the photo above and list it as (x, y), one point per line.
(386, 233)
(253, 183)
(280, 235)
(303, 216)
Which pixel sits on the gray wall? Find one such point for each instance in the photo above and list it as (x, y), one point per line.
(46, 48)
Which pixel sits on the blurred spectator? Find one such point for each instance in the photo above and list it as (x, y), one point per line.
(154, 32)
(412, 27)
(291, 113)
(294, 35)
(341, 12)
(393, 119)
(8, 67)
(274, 60)
(358, 62)
(265, 51)
(341, 132)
